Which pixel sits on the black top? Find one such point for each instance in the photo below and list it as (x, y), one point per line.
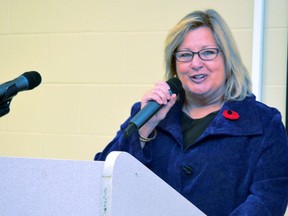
(193, 128)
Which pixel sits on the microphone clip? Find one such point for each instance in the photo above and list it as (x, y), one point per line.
(5, 107)
(6, 99)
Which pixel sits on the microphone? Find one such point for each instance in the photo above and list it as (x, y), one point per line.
(26, 81)
(8, 90)
(151, 108)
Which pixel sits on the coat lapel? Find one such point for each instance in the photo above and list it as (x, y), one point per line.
(247, 124)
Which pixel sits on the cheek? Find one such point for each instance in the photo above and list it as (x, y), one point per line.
(181, 68)
(217, 69)
(222, 73)
(218, 76)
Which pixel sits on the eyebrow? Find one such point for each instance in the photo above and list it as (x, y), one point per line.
(204, 47)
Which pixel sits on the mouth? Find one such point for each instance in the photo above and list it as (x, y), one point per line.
(199, 77)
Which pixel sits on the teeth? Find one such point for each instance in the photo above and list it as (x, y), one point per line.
(200, 76)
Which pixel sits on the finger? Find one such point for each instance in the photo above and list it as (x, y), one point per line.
(171, 102)
(161, 90)
(159, 93)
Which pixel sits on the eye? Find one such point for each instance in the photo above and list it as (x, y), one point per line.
(184, 54)
(208, 52)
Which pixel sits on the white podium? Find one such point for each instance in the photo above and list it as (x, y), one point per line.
(120, 186)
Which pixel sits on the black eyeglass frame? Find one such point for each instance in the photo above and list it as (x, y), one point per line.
(198, 53)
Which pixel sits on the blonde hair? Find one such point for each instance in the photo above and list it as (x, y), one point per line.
(238, 83)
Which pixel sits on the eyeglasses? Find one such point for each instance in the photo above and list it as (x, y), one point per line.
(204, 54)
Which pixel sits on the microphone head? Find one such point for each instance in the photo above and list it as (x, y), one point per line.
(175, 85)
(33, 78)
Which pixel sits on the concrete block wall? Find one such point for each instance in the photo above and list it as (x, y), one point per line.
(97, 57)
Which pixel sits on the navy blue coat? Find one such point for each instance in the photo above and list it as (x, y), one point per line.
(236, 167)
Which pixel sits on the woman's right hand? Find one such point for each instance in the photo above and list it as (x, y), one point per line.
(159, 93)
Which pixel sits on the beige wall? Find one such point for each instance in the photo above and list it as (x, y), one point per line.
(97, 57)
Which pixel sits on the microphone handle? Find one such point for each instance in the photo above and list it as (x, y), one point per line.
(142, 117)
(20, 82)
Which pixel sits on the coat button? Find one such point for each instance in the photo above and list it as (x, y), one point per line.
(188, 170)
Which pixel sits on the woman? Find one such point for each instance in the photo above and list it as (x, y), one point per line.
(215, 144)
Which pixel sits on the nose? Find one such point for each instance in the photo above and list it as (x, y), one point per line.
(196, 62)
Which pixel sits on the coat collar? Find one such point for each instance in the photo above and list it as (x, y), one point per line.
(247, 124)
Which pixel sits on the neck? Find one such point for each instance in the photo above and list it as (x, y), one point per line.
(199, 108)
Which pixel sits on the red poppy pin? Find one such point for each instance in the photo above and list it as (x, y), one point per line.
(230, 114)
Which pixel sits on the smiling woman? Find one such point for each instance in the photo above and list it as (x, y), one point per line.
(214, 143)
(204, 76)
